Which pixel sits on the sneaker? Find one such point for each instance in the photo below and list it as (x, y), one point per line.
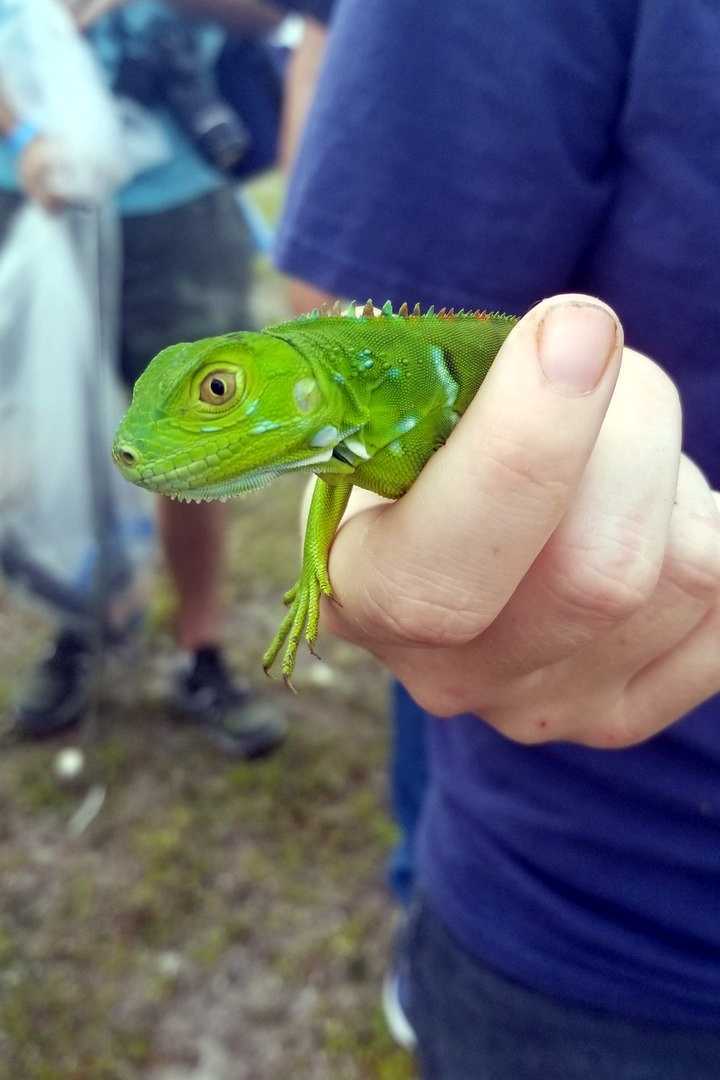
(59, 690)
(395, 1016)
(231, 718)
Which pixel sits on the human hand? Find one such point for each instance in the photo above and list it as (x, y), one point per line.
(37, 170)
(556, 567)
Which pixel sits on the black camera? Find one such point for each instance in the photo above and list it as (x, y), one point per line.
(165, 64)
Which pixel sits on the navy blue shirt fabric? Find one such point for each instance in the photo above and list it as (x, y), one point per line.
(477, 154)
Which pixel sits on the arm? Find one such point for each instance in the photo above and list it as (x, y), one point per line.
(240, 16)
(556, 567)
(35, 159)
(300, 80)
(253, 16)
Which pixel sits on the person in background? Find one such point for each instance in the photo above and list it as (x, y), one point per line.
(187, 274)
(550, 586)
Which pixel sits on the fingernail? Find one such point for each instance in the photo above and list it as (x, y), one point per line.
(575, 343)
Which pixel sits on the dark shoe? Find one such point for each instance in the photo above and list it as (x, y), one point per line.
(229, 716)
(59, 690)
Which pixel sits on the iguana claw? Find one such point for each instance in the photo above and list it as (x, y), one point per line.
(300, 620)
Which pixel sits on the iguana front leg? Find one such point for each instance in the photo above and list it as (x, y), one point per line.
(326, 510)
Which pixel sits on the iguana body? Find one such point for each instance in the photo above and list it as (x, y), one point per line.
(361, 397)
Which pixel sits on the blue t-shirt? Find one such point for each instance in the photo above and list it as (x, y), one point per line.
(478, 154)
(185, 174)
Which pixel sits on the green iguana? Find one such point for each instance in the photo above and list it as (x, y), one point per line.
(363, 396)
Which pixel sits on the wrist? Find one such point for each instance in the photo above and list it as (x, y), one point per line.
(21, 135)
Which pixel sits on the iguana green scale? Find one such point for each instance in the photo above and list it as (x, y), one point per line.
(363, 396)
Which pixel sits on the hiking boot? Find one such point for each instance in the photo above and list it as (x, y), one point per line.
(229, 716)
(59, 689)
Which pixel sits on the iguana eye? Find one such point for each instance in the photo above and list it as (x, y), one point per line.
(218, 387)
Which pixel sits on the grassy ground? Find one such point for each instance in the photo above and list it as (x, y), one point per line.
(215, 920)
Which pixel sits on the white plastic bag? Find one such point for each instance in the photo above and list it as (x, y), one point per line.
(71, 529)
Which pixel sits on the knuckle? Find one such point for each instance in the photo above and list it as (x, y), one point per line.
(599, 720)
(415, 609)
(605, 580)
(617, 730)
(531, 724)
(607, 737)
(658, 392)
(511, 466)
(417, 620)
(692, 560)
(607, 594)
(671, 395)
(527, 731)
(440, 698)
(667, 393)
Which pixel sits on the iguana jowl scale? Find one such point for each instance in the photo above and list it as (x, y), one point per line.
(361, 396)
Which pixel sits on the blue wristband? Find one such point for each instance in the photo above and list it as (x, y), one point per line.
(20, 135)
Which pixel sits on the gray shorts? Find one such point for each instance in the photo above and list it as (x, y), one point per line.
(187, 274)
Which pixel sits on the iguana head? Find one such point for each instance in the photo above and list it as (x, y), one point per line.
(223, 416)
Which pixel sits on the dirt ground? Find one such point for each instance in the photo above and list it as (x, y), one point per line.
(176, 915)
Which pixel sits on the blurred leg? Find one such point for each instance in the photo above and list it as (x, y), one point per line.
(193, 538)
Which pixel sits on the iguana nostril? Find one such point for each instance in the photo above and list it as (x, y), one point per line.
(126, 455)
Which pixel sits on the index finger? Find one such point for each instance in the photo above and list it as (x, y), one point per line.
(439, 565)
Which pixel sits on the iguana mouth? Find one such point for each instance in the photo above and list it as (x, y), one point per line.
(225, 489)
(186, 482)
